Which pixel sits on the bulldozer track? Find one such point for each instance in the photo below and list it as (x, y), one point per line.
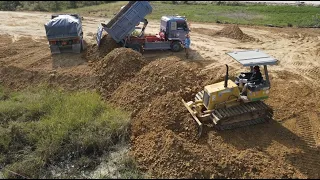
(311, 157)
(253, 108)
(241, 124)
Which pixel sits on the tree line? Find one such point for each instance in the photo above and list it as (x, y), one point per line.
(46, 5)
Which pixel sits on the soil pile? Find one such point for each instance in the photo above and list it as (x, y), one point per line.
(164, 134)
(234, 32)
(156, 79)
(318, 50)
(119, 65)
(164, 143)
(27, 61)
(107, 44)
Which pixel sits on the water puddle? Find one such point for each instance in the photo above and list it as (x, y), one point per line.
(108, 168)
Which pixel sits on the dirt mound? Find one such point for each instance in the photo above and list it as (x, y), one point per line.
(168, 112)
(164, 143)
(119, 65)
(164, 134)
(27, 61)
(6, 39)
(156, 79)
(19, 78)
(107, 44)
(318, 50)
(234, 32)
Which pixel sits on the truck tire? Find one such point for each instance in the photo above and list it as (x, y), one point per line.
(81, 47)
(176, 46)
(136, 47)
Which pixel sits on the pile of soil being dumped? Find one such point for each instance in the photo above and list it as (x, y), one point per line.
(107, 44)
(234, 32)
(119, 65)
(156, 79)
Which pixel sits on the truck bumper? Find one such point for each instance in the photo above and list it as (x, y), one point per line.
(74, 48)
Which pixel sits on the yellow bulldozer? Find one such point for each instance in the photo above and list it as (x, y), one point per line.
(222, 104)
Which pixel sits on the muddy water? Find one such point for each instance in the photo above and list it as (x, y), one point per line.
(108, 168)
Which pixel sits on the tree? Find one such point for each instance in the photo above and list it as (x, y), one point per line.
(9, 5)
(73, 4)
(57, 6)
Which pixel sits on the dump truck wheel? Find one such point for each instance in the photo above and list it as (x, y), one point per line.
(176, 46)
(81, 47)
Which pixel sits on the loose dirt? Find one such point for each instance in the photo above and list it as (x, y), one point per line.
(27, 61)
(107, 44)
(162, 132)
(156, 79)
(229, 31)
(234, 32)
(119, 65)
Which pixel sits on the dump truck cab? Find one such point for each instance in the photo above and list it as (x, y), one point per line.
(174, 27)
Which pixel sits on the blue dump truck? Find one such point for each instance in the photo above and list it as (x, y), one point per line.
(171, 35)
(64, 33)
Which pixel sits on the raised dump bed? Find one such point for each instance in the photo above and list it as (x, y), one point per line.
(125, 21)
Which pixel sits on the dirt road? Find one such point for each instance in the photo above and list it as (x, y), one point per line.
(291, 143)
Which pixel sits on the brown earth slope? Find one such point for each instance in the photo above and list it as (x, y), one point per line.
(163, 133)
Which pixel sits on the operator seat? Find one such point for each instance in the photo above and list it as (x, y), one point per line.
(256, 87)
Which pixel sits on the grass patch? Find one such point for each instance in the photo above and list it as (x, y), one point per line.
(126, 169)
(41, 126)
(247, 14)
(129, 169)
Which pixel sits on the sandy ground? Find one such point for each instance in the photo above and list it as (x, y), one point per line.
(25, 60)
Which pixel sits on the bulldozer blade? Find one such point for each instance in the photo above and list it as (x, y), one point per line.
(200, 125)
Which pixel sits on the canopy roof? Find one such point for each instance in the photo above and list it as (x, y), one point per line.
(253, 58)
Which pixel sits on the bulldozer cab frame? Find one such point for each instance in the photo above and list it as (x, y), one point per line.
(253, 58)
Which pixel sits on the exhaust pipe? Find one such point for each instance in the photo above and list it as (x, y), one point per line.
(226, 77)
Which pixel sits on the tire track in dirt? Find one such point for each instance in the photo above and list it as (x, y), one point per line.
(310, 159)
(305, 131)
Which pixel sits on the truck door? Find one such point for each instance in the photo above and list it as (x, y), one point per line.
(172, 29)
(182, 29)
(178, 29)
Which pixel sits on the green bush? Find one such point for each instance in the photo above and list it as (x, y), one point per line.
(42, 126)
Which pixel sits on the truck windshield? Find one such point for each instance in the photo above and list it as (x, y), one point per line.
(181, 25)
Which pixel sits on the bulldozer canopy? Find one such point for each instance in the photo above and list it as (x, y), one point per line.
(253, 58)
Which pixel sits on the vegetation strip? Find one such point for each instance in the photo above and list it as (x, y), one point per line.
(41, 127)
